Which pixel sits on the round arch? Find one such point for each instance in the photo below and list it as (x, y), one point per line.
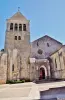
(44, 71)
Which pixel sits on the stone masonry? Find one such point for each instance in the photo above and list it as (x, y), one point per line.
(22, 59)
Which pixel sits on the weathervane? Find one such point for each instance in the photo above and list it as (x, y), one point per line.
(18, 9)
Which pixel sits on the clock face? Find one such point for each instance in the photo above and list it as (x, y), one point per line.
(40, 51)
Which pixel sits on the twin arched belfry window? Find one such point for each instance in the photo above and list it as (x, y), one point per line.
(18, 27)
(24, 27)
(11, 26)
(17, 38)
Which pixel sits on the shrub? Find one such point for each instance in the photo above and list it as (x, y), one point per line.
(23, 81)
(2, 50)
(10, 82)
(26, 80)
(14, 81)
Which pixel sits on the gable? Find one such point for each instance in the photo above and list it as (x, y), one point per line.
(47, 45)
(18, 16)
(46, 37)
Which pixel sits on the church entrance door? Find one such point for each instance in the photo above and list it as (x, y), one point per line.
(42, 74)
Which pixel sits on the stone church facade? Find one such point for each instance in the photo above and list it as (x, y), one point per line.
(22, 59)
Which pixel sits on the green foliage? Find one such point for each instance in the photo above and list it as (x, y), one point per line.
(10, 82)
(14, 81)
(26, 80)
(18, 81)
(23, 81)
(2, 50)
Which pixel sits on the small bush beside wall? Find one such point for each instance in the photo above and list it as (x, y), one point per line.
(14, 81)
(17, 81)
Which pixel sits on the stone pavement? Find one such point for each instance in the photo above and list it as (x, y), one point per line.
(22, 91)
(26, 91)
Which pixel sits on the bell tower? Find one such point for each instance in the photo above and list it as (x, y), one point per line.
(18, 37)
(17, 33)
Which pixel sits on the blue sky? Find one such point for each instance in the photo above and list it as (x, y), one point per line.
(47, 17)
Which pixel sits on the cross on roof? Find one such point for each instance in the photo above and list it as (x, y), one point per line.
(18, 9)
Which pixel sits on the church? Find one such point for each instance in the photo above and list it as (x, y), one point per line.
(43, 58)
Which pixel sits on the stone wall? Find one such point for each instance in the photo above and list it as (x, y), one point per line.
(21, 65)
(35, 65)
(47, 46)
(3, 67)
(22, 46)
(58, 64)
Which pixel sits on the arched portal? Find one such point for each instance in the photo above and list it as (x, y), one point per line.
(43, 73)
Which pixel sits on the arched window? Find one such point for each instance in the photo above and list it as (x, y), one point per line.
(48, 44)
(24, 27)
(15, 37)
(13, 67)
(11, 26)
(16, 27)
(20, 27)
(55, 63)
(19, 37)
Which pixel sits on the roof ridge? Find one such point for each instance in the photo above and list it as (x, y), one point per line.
(18, 14)
(48, 37)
